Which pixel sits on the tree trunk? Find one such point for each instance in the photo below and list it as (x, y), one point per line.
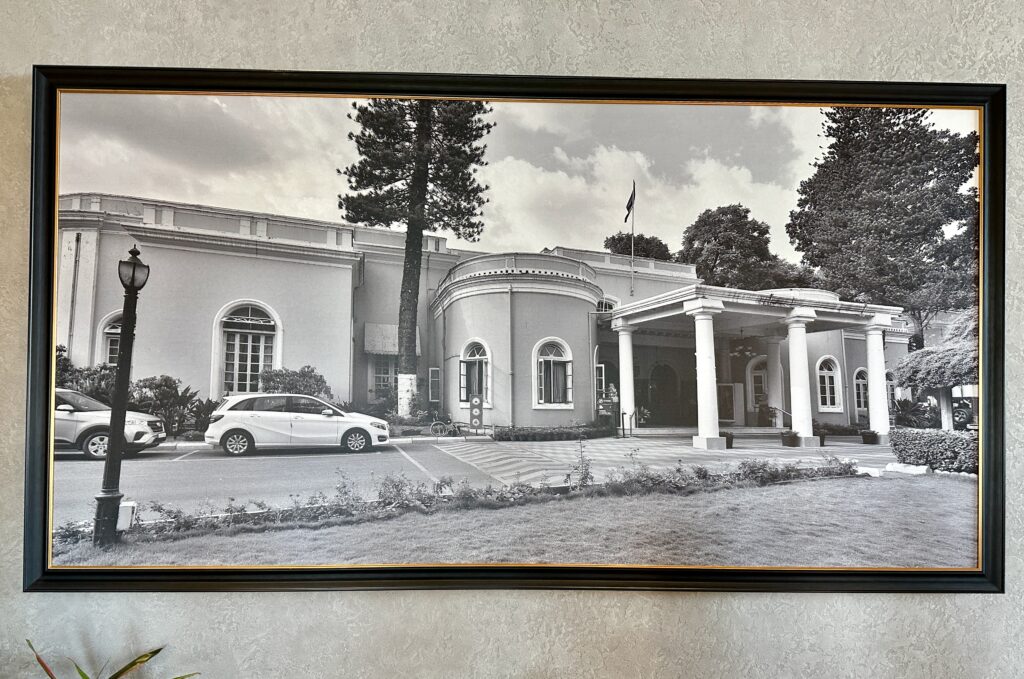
(416, 224)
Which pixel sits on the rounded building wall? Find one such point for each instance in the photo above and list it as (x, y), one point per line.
(511, 315)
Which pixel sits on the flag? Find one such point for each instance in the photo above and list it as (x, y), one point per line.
(629, 203)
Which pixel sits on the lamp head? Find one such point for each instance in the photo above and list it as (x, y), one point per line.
(132, 272)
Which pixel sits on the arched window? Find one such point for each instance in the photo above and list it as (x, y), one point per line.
(554, 373)
(475, 372)
(249, 334)
(860, 389)
(829, 387)
(111, 340)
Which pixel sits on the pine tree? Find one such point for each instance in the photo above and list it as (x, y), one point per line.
(873, 217)
(417, 168)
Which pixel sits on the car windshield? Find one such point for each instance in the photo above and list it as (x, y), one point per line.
(80, 401)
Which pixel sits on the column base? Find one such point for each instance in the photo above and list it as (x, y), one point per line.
(883, 439)
(709, 442)
(809, 442)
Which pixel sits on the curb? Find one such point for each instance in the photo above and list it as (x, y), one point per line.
(398, 440)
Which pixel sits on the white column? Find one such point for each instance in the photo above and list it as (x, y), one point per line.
(878, 397)
(627, 398)
(775, 385)
(799, 379)
(703, 312)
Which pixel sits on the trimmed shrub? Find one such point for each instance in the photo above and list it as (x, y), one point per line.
(306, 380)
(552, 433)
(951, 451)
(833, 429)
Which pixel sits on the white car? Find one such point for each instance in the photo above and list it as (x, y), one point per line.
(245, 422)
(83, 423)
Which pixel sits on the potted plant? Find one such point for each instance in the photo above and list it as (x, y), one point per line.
(790, 438)
(728, 436)
(642, 415)
(820, 432)
(869, 436)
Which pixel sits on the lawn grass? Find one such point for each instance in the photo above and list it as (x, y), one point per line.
(926, 521)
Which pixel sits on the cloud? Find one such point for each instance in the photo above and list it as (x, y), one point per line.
(267, 154)
(583, 202)
(566, 121)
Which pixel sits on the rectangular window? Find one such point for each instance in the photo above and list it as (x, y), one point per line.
(434, 385)
(385, 374)
(554, 381)
(246, 355)
(599, 383)
(113, 344)
(472, 380)
(827, 391)
(760, 394)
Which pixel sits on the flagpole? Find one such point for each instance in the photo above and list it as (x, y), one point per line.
(632, 239)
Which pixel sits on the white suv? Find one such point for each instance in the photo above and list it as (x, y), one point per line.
(244, 422)
(83, 423)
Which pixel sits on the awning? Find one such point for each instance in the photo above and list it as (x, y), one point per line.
(382, 338)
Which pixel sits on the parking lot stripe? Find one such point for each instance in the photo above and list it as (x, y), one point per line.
(418, 465)
(182, 457)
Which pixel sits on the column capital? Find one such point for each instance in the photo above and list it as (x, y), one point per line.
(800, 315)
(878, 323)
(772, 339)
(622, 327)
(702, 307)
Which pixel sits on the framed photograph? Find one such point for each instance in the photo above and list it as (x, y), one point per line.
(351, 330)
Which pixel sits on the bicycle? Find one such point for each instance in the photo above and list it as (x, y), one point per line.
(445, 428)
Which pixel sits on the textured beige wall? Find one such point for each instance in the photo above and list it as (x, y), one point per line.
(506, 634)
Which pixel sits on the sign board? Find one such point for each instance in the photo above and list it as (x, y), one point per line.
(476, 411)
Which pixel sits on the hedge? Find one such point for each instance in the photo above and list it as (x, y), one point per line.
(951, 451)
(551, 433)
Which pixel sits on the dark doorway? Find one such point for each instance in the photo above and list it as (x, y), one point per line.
(663, 390)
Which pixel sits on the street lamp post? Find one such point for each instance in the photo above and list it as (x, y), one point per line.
(133, 274)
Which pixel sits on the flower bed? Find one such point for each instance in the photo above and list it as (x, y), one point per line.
(951, 451)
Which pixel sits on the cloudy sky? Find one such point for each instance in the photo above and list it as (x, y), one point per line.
(559, 174)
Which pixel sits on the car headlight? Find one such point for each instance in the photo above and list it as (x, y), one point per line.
(380, 425)
(135, 421)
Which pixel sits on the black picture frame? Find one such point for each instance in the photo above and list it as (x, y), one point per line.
(48, 81)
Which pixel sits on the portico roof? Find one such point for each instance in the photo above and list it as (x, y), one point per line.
(754, 312)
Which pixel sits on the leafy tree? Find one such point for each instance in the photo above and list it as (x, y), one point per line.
(306, 380)
(65, 368)
(874, 215)
(417, 168)
(731, 250)
(650, 247)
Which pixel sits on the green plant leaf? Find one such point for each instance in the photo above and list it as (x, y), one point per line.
(81, 672)
(42, 663)
(135, 664)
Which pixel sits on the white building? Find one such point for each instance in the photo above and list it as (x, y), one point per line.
(542, 337)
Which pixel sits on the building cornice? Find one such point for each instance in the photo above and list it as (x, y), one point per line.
(503, 284)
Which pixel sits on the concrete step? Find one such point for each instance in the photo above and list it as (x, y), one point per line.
(738, 432)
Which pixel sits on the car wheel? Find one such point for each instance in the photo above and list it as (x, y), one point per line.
(357, 441)
(237, 442)
(95, 445)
